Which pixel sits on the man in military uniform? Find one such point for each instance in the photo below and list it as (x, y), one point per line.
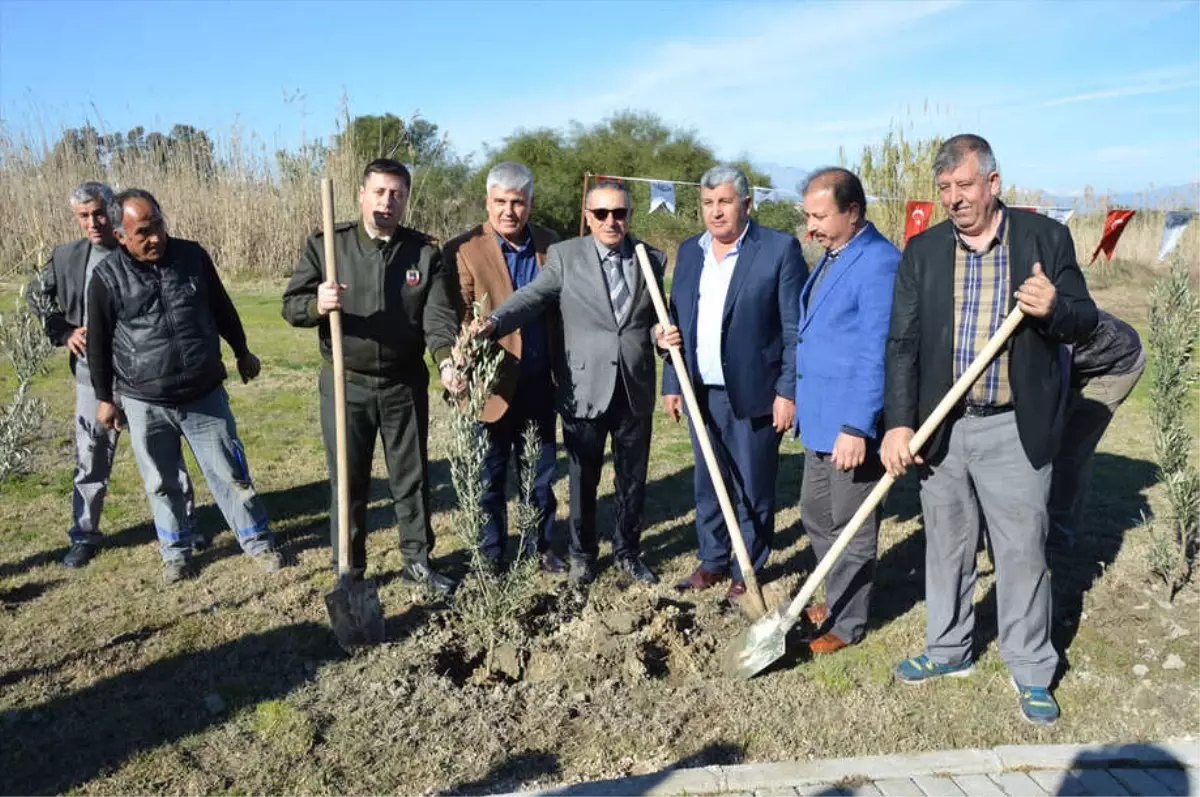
(395, 299)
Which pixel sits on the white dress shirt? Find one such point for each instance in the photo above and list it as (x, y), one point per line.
(714, 287)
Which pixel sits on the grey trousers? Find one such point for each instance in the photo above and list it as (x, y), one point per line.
(1089, 412)
(95, 448)
(985, 461)
(157, 432)
(828, 499)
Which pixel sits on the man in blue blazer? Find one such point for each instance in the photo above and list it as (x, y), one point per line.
(844, 311)
(735, 300)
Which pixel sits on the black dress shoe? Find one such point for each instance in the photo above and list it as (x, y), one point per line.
(552, 564)
(636, 569)
(79, 555)
(582, 572)
(421, 573)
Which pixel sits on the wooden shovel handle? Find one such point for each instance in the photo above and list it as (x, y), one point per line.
(948, 402)
(710, 458)
(339, 385)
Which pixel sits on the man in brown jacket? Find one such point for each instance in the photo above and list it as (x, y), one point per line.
(491, 261)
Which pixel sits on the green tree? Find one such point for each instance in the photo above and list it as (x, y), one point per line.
(414, 142)
(629, 143)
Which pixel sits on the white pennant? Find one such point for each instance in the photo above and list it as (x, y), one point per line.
(1061, 215)
(1173, 227)
(662, 195)
(762, 195)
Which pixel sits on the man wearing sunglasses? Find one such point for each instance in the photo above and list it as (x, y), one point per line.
(735, 297)
(604, 371)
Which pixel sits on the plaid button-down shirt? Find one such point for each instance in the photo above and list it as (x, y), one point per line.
(980, 303)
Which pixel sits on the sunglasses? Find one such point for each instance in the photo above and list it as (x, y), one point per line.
(601, 214)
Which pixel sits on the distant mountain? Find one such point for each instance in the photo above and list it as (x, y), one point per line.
(787, 177)
(1175, 197)
(1172, 197)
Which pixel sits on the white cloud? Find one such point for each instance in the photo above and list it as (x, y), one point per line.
(1121, 91)
(759, 84)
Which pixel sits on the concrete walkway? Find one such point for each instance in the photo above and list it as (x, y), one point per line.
(1171, 768)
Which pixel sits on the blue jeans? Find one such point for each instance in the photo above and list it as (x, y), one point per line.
(533, 403)
(157, 433)
(94, 450)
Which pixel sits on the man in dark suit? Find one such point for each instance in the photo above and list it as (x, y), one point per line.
(490, 262)
(955, 285)
(844, 310)
(604, 372)
(735, 300)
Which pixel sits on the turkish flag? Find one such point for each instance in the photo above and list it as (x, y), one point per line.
(1114, 225)
(917, 214)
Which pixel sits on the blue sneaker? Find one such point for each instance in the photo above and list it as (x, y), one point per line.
(1037, 704)
(919, 669)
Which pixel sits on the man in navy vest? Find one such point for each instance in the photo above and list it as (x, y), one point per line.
(156, 308)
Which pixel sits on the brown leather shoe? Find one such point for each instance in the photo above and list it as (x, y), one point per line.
(701, 579)
(817, 614)
(827, 643)
(737, 588)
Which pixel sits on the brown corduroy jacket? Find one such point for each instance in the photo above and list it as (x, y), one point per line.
(475, 259)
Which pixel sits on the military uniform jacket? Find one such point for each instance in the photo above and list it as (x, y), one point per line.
(397, 300)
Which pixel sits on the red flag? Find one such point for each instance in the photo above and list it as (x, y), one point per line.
(1030, 208)
(916, 217)
(1114, 225)
(601, 178)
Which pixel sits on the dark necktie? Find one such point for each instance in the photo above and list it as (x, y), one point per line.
(618, 289)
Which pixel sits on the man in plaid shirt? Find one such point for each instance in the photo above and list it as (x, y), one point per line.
(956, 283)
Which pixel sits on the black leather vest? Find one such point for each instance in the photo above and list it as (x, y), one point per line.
(165, 344)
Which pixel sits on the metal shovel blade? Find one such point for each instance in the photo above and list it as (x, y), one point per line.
(758, 647)
(355, 613)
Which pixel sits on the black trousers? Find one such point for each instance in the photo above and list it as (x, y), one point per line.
(397, 413)
(584, 440)
(828, 499)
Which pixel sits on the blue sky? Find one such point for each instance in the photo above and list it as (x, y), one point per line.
(1070, 94)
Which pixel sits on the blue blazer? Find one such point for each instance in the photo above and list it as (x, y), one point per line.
(843, 335)
(758, 327)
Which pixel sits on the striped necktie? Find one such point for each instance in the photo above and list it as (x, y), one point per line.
(618, 289)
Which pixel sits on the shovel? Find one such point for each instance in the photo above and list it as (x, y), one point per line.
(765, 642)
(753, 593)
(354, 608)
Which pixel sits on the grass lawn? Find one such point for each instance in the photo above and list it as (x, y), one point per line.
(232, 682)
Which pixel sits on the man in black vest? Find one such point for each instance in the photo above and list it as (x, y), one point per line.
(156, 308)
(395, 300)
(57, 296)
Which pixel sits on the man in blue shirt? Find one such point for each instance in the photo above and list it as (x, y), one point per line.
(492, 261)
